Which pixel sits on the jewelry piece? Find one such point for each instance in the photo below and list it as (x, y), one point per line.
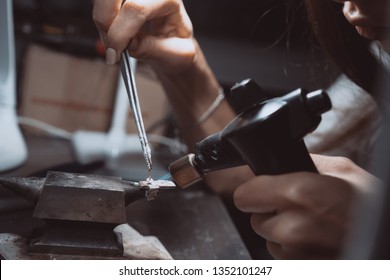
(212, 108)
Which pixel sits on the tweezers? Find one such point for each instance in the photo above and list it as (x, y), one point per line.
(128, 78)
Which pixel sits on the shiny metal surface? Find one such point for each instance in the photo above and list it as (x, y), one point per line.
(128, 78)
(184, 172)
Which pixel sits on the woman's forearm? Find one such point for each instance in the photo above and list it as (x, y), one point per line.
(191, 92)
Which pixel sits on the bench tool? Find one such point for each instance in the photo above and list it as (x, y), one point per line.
(131, 88)
(267, 135)
(81, 211)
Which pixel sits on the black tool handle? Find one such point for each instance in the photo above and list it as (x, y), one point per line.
(267, 135)
(292, 157)
(264, 140)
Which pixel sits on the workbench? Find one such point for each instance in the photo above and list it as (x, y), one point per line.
(191, 223)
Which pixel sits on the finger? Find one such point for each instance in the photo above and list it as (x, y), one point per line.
(132, 17)
(328, 164)
(174, 53)
(344, 168)
(266, 194)
(299, 230)
(104, 12)
(303, 190)
(280, 252)
(274, 249)
(263, 225)
(277, 244)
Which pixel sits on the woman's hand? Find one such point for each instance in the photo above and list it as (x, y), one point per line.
(158, 31)
(306, 215)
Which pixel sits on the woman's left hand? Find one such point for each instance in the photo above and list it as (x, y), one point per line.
(306, 215)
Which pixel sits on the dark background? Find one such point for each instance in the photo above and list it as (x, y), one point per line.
(263, 40)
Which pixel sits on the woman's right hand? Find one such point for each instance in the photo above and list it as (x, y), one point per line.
(160, 33)
(157, 31)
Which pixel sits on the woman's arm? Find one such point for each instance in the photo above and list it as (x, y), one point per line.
(159, 32)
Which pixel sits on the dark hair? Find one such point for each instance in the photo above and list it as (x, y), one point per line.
(342, 43)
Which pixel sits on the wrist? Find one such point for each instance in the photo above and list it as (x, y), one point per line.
(191, 92)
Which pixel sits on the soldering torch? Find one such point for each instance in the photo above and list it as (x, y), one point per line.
(267, 135)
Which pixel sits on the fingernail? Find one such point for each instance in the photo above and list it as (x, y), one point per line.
(111, 56)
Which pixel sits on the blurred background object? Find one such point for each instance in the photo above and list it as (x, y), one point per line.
(12, 146)
(264, 40)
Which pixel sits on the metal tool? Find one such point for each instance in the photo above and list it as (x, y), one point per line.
(128, 78)
(267, 135)
(81, 210)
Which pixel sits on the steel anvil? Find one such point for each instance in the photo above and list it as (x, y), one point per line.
(81, 210)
